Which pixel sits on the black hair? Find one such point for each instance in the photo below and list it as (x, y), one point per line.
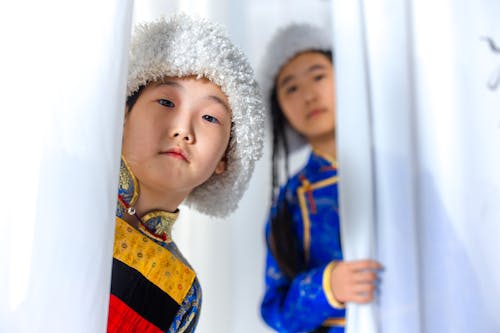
(133, 98)
(282, 240)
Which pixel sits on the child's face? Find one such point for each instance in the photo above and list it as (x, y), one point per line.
(176, 134)
(305, 91)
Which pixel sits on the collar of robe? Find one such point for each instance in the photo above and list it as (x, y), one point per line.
(156, 224)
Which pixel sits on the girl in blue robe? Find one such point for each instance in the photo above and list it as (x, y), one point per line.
(307, 281)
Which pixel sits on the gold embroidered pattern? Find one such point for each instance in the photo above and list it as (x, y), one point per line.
(155, 262)
(128, 188)
(161, 222)
(128, 182)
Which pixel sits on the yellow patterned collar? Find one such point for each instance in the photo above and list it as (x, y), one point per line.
(156, 224)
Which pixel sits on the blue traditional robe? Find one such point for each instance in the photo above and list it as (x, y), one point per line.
(306, 303)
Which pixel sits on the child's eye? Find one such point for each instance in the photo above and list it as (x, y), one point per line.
(210, 118)
(166, 102)
(291, 89)
(319, 77)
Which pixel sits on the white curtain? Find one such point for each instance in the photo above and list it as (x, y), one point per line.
(419, 127)
(63, 68)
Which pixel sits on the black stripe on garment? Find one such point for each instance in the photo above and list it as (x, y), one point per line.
(141, 295)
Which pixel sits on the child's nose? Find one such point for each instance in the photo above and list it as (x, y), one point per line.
(183, 134)
(310, 95)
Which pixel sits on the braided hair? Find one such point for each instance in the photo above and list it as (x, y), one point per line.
(282, 241)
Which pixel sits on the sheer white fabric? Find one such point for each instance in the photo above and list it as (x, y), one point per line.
(63, 95)
(423, 75)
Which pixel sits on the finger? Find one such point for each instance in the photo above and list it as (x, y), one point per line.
(363, 288)
(362, 298)
(365, 264)
(365, 277)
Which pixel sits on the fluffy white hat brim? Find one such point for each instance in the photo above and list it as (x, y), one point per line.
(185, 46)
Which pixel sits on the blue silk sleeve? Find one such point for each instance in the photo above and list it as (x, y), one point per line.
(298, 305)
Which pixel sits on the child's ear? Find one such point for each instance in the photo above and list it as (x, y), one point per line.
(221, 166)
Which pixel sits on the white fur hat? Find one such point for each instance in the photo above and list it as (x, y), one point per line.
(285, 44)
(183, 46)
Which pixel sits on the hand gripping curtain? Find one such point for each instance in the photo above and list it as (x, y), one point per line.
(420, 81)
(63, 69)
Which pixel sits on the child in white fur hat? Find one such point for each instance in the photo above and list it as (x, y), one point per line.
(307, 280)
(192, 133)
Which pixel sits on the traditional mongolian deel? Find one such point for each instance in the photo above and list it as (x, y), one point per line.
(306, 302)
(153, 288)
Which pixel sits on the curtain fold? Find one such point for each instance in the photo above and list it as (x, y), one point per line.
(64, 70)
(354, 147)
(434, 137)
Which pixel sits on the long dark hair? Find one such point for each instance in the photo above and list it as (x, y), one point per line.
(282, 241)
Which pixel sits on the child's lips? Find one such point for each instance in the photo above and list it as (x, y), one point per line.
(314, 112)
(176, 153)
